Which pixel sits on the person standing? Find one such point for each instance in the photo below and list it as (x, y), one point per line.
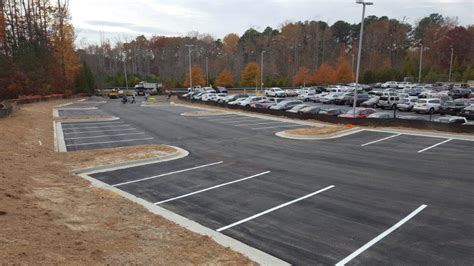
(133, 98)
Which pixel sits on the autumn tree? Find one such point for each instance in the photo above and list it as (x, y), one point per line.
(344, 73)
(231, 42)
(197, 75)
(224, 79)
(250, 75)
(302, 77)
(325, 74)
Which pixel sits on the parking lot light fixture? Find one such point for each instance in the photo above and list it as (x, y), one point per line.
(261, 71)
(363, 3)
(190, 67)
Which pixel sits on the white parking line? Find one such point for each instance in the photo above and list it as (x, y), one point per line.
(106, 142)
(273, 209)
(389, 137)
(170, 173)
(99, 131)
(90, 124)
(379, 237)
(257, 128)
(103, 136)
(104, 127)
(436, 145)
(264, 123)
(211, 188)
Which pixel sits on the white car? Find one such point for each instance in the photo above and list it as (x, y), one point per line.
(218, 97)
(406, 104)
(390, 84)
(250, 100)
(328, 99)
(237, 101)
(207, 97)
(275, 92)
(430, 105)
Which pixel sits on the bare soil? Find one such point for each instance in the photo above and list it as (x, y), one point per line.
(316, 131)
(49, 216)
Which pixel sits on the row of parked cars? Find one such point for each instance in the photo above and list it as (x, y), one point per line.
(427, 100)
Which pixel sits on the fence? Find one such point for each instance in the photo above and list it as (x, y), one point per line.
(372, 122)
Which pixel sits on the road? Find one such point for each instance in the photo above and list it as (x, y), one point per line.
(367, 198)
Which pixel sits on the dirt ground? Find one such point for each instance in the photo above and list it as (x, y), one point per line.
(49, 216)
(316, 131)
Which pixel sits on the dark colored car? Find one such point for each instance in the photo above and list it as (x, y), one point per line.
(332, 111)
(453, 107)
(359, 113)
(361, 97)
(468, 112)
(459, 93)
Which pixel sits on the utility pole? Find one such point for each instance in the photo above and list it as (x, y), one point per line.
(207, 71)
(261, 71)
(451, 64)
(190, 66)
(360, 50)
(421, 63)
(353, 58)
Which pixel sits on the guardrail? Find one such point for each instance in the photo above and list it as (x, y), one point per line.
(372, 122)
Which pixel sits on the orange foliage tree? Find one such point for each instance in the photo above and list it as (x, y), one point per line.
(250, 75)
(325, 74)
(302, 77)
(344, 72)
(198, 76)
(224, 79)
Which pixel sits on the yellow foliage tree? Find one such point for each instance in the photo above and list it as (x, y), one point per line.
(325, 74)
(231, 41)
(250, 75)
(224, 79)
(198, 76)
(68, 64)
(344, 72)
(302, 77)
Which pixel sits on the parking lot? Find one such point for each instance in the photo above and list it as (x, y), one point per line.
(368, 198)
(99, 135)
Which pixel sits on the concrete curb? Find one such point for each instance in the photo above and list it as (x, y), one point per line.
(76, 108)
(268, 117)
(59, 142)
(254, 254)
(180, 153)
(113, 118)
(283, 134)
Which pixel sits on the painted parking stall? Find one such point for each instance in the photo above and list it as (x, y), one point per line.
(105, 134)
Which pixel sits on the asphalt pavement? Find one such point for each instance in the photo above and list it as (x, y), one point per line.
(369, 198)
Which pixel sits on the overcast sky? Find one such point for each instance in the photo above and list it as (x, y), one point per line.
(120, 18)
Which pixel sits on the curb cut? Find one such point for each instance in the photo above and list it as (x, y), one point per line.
(283, 134)
(180, 153)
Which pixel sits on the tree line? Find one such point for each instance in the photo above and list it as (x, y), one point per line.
(309, 52)
(37, 51)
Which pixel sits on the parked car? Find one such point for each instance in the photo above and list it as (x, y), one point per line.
(332, 111)
(297, 108)
(310, 110)
(291, 93)
(250, 100)
(452, 119)
(361, 97)
(233, 97)
(359, 112)
(198, 95)
(329, 99)
(286, 105)
(218, 97)
(371, 102)
(275, 92)
(468, 112)
(430, 105)
(459, 93)
(237, 101)
(413, 117)
(390, 84)
(454, 107)
(207, 96)
(381, 115)
(220, 89)
(343, 98)
(266, 103)
(307, 97)
(407, 104)
(389, 102)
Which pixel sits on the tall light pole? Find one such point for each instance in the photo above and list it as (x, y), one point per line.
(190, 68)
(451, 64)
(363, 3)
(207, 71)
(421, 63)
(353, 58)
(261, 71)
(125, 71)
